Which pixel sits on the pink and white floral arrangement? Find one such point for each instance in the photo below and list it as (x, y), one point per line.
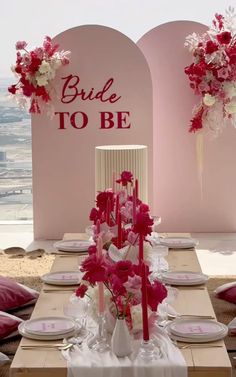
(212, 74)
(35, 70)
(124, 221)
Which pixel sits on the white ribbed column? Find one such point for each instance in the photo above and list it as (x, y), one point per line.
(117, 158)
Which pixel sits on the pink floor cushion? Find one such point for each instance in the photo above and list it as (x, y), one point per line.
(227, 292)
(8, 325)
(14, 295)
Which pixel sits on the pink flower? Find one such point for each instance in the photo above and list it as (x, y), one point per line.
(21, 45)
(224, 37)
(116, 285)
(92, 249)
(94, 215)
(223, 73)
(125, 178)
(12, 89)
(143, 224)
(156, 293)
(211, 47)
(95, 269)
(80, 292)
(133, 285)
(196, 121)
(123, 269)
(102, 199)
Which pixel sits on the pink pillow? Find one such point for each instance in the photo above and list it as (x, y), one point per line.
(14, 295)
(227, 292)
(8, 325)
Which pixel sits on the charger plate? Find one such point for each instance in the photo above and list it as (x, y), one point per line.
(73, 245)
(49, 326)
(196, 330)
(179, 242)
(184, 278)
(62, 278)
(25, 334)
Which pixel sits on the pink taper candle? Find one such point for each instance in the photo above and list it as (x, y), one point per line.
(136, 188)
(119, 238)
(98, 228)
(108, 211)
(144, 303)
(140, 249)
(117, 207)
(134, 205)
(101, 301)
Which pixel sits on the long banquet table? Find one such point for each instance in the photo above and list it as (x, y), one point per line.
(205, 362)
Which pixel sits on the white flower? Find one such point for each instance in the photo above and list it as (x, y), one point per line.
(230, 107)
(41, 80)
(44, 67)
(209, 100)
(229, 89)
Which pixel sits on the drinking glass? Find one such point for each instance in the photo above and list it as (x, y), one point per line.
(163, 308)
(78, 308)
(159, 264)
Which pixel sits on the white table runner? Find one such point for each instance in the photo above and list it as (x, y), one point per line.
(83, 362)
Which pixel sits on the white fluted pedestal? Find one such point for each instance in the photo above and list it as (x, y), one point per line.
(110, 159)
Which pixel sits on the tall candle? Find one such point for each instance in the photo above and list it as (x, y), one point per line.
(136, 188)
(101, 300)
(134, 205)
(98, 227)
(140, 249)
(117, 207)
(119, 237)
(144, 303)
(108, 211)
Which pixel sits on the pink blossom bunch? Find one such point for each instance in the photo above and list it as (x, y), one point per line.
(123, 281)
(35, 70)
(143, 222)
(212, 74)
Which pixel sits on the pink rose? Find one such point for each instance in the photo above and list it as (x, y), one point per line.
(21, 45)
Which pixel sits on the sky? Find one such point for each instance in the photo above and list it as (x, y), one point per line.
(31, 20)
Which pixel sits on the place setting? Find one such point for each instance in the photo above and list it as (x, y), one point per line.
(48, 328)
(61, 281)
(72, 247)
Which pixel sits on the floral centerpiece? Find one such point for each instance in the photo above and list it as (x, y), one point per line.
(212, 74)
(121, 220)
(35, 70)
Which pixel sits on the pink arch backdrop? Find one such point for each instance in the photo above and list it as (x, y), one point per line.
(64, 147)
(177, 194)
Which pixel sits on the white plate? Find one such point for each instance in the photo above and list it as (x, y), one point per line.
(196, 328)
(179, 242)
(73, 245)
(51, 326)
(23, 332)
(62, 278)
(184, 278)
(199, 339)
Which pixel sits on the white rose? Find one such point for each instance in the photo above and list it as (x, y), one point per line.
(44, 67)
(209, 100)
(229, 89)
(41, 80)
(230, 108)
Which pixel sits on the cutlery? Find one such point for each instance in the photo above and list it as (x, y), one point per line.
(171, 316)
(195, 345)
(62, 346)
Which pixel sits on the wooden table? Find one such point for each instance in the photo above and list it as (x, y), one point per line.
(207, 362)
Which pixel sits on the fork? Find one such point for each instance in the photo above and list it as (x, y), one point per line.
(193, 345)
(59, 346)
